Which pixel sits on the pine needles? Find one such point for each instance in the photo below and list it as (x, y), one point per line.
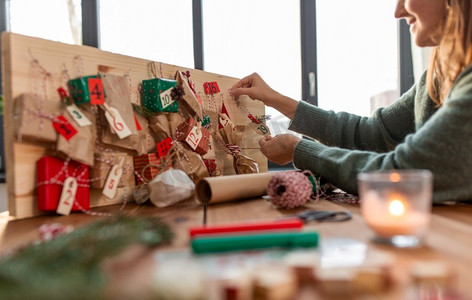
(68, 267)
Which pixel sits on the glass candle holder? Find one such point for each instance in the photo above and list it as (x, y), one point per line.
(396, 205)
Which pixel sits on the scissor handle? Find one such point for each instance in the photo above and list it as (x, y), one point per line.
(324, 216)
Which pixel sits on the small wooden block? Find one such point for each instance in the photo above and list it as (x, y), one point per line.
(304, 265)
(432, 272)
(275, 283)
(372, 279)
(336, 282)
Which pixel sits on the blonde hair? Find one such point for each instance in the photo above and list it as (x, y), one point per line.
(454, 52)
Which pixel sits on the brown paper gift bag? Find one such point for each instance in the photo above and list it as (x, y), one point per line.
(33, 118)
(104, 161)
(160, 125)
(145, 142)
(117, 91)
(81, 146)
(231, 140)
(190, 162)
(189, 96)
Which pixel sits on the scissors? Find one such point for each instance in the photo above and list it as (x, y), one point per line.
(324, 216)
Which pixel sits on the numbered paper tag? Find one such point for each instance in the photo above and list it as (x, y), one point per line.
(64, 128)
(163, 147)
(224, 120)
(78, 116)
(260, 128)
(194, 137)
(67, 196)
(111, 185)
(211, 88)
(165, 97)
(95, 88)
(116, 122)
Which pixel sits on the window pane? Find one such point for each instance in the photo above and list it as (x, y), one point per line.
(57, 20)
(246, 36)
(357, 53)
(158, 30)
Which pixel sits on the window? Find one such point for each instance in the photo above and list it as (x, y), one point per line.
(357, 53)
(246, 36)
(57, 20)
(155, 30)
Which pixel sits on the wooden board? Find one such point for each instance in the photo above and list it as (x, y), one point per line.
(56, 59)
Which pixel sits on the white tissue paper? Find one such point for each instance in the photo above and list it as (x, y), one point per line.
(170, 187)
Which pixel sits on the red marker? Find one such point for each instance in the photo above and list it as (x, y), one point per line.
(241, 227)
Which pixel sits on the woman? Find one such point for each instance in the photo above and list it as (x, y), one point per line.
(429, 127)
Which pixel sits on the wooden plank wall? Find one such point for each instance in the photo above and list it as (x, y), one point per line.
(18, 54)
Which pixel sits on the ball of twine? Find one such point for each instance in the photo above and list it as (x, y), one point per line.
(289, 189)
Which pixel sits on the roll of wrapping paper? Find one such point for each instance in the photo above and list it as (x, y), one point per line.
(232, 187)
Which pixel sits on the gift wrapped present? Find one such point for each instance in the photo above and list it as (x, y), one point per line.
(80, 146)
(190, 162)
(79, 89)
(104, 161)
(33, 118)
(118, 98)
(189, 94)
(196, 136)
(51, 172)
(230, 140)
(156, 95)
(146, 167)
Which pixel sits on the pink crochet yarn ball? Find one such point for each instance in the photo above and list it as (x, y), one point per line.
(289, 189)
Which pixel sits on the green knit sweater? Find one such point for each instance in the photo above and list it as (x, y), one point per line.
(411, 133)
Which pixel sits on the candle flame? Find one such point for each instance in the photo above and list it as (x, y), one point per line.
(396, 207)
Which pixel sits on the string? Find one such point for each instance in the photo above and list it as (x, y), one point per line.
(291, 189)
(153, 69)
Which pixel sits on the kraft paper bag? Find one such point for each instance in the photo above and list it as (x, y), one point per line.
(190, 162)
(189, 96)
(242, 164)
(33, 118)
(81, 146)
(145, 141)
(117, 91)
(214, 119)
(160, 125)
(104, 161)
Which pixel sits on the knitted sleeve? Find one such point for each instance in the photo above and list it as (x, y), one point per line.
(443, 145)
(381, 132)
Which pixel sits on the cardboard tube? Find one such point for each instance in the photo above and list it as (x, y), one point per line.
(232, 187)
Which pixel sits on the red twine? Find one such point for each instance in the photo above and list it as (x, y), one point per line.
(50, 231)
(289, 189)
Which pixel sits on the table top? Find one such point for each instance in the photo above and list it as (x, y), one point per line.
(448, 238)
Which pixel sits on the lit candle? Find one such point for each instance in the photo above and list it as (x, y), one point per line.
(392, 216)
(396, 204)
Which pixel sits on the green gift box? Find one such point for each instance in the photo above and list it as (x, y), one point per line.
(79, 90)
(156, 95)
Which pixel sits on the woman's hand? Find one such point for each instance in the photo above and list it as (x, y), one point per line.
(280, 148)
(257, 89)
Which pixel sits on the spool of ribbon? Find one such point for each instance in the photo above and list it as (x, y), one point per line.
(290, 189)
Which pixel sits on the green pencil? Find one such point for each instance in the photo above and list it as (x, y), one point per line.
(255, 241)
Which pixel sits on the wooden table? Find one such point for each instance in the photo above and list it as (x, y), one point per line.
(448, 240)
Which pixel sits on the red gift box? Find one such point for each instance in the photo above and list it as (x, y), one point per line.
(149, 163)
(185, 128)
(50, 178)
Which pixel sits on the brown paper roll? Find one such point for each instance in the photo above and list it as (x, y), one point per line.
(232, 187)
